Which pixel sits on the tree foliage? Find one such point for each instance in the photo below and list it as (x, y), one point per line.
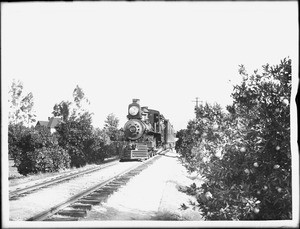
(75, 143)
(15, 132)
(82, 142)
(62, 110)
(111, 127)
(20, 105)
(38, 151)
(244, 154)
(76, 134)
(81, 102)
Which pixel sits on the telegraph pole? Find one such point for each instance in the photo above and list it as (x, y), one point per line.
(196, 101)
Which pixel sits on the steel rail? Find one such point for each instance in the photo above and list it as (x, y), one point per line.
(57, 180)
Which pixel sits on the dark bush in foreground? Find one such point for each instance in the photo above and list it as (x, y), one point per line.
(39, 152)
(15, 133)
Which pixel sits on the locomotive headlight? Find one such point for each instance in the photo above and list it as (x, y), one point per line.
(133, 110)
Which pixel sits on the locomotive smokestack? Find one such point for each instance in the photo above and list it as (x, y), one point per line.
(136, 101)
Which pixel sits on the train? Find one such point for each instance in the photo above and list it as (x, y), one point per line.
(146, 133)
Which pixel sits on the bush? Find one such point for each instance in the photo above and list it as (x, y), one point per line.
(39, 152)
(27, 163)
(113, 149)
(15, 132)
(244, 154)
(51, 159)
(94, 148)
(77, 157)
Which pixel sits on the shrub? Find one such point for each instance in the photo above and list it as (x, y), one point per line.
(39, 152)
(15, 132)
(51, 159)
(95, 148)
(27, 163)
(77, 156)
(113, 149)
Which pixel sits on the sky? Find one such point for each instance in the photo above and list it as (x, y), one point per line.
(165, 54)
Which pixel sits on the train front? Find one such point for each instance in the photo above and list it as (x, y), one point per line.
(135, 130)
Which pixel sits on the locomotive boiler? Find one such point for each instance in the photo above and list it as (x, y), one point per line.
(145, 132)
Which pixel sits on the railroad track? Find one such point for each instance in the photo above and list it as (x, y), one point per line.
(20, 192)
(77, 206)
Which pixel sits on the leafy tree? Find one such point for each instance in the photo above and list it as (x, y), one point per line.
(74, 135)
(21, 106)
(244, 155)
(96, 147)
(15, 99)
(115, 135)
(66, 109)
(77, 136)
(81, 102)
(75, 109)
(102, 134)
(62, 110)
(84, 143)
(111, 127)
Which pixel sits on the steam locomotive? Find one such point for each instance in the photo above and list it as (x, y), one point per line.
(145, 132)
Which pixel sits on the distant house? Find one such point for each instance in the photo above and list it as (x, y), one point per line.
(42, 123)
(53, 123)
(50, 124)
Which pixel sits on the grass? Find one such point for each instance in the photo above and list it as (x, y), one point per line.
(166, 216)
(13, 171)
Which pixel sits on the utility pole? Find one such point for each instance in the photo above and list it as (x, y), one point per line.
(196, 101)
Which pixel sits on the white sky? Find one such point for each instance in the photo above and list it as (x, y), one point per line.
(165, 54)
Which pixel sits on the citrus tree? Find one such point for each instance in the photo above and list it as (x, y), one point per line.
(39, 152)
(244, 154)
(74, 135)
